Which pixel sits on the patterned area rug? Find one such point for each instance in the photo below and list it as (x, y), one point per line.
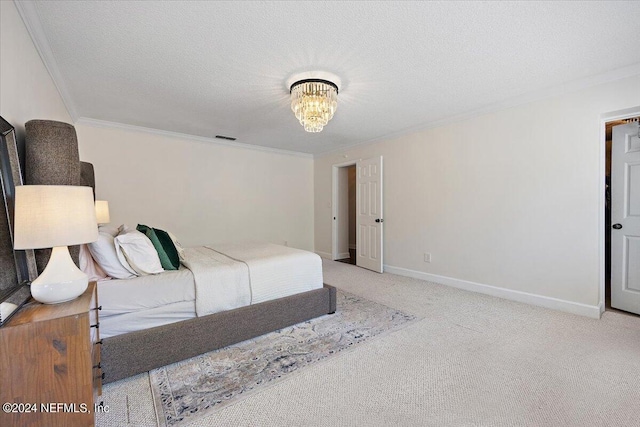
(197, 387)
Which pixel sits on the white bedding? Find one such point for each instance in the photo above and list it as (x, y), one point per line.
(146, 319)
(224, 278)
(276, 271)
(220, 282)
(145, 292)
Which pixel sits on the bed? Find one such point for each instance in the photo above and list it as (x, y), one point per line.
(184, 316)
(211, 280)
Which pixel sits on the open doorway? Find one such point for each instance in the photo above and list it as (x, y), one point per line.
(346, 215)
(619, 198)
(366, 216)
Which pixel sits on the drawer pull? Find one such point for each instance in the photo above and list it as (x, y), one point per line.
(97, 366)
(97, 325)
(97, 308)
(98, 342)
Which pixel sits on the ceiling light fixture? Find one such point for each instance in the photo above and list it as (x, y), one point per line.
(314, 101)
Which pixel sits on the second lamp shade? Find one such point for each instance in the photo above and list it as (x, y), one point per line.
(102, 212)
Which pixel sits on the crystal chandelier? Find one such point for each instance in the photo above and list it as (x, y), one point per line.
(314, 101)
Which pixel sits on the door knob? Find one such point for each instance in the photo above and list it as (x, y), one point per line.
(617, 226)
(379, 220)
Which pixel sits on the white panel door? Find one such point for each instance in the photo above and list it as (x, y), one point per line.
(369, 219)
(625, 217)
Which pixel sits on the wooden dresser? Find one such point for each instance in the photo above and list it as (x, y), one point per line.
(50, 364)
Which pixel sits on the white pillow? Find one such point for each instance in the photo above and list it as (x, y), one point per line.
(104, 253)
(178, 246)
(108, 229)
(136, 249)
(90, 267)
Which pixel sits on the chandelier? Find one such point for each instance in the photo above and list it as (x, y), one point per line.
(314, 101)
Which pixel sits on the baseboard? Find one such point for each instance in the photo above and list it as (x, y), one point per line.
(601, 307)
(344, 255)
(325, 255)
(592, 311)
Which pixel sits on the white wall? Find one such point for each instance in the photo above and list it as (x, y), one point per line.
(201, 191)
(508, 199)
(26, 88)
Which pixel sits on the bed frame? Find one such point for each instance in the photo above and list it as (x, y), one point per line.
(52, 159)
(136, 352)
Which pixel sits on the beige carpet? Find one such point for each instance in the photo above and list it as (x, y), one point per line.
(195, 388)
(473, 360)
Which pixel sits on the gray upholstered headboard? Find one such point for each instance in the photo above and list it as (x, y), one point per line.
(51, 158)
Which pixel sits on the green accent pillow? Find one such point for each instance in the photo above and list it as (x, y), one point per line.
(162, 254)
(169, 247)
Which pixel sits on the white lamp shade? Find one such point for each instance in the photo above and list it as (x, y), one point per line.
(102, 212)
(47, 216)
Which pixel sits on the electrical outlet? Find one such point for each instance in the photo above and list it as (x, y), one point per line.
(427, 257)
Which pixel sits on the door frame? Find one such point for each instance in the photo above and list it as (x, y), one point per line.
(604, 118)
(334, 204)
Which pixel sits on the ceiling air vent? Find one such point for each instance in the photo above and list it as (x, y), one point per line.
(228, 138)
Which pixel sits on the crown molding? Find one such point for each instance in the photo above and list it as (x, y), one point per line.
(29, 13)
(133, 128)
(31, 18)
(573, 86)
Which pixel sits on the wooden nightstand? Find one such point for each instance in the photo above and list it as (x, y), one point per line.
(50, 363)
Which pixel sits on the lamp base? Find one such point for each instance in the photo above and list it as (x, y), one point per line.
(61, 280)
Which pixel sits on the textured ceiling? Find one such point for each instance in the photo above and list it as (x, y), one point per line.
(208, 68)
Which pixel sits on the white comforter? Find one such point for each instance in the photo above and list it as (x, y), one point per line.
(221, 283)
(276, 271)
(234, 275)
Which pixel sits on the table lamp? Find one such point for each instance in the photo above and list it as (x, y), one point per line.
(55, 216)
(102, 212)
